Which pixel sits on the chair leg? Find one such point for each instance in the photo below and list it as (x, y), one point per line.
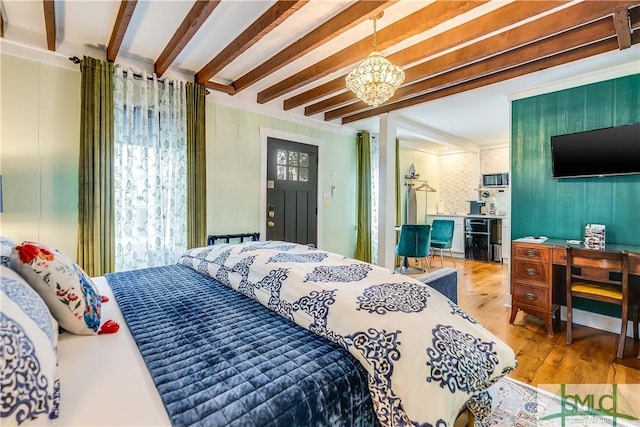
(623, 331)
(452, 260)
(569, 317)
(634, 313)
(441, 264)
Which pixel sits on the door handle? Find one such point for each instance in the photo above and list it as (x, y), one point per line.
(271, 224)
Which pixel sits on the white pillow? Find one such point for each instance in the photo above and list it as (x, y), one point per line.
(29, 334)
(69, 293)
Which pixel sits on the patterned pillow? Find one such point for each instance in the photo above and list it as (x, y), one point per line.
(5, 250)
(67, 290)
(29, 335)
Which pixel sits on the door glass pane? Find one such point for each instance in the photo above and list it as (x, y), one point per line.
(293, 173)
(304, 160)
(282, 173)
(304, 174)
(282, 157)
(293, 158)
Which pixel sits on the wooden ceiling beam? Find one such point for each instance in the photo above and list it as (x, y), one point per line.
(345, 20)
(587, 34)
(269, 20)
(50, 23)
(127, 7)
(220, 87)
(198, 14)
(416, 23)
(623, 28)
(509, 14)
(584, 51)
(563, 20)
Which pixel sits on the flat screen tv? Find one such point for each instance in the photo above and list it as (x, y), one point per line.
(601, 152)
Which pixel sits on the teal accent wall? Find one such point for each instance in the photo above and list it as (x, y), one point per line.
(560, 208)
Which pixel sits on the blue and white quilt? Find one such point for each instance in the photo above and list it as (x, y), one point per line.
(426, 358)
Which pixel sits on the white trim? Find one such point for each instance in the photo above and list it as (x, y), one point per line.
(589, 319)
(576, 81)
(266, 133)
(432, 134)
(596, 321)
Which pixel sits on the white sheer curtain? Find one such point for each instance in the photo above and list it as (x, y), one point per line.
(374, 149)
(150, 169)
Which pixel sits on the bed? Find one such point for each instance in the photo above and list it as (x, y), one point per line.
(248, 335)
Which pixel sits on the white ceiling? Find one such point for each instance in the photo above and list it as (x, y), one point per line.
(471, 119)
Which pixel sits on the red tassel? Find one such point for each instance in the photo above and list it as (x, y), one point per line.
(109, 327)
(104, 299)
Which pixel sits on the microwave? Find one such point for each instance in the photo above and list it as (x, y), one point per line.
(495, 179)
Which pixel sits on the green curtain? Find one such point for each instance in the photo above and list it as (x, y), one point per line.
(196, 166)
(398, 185)
(96, 237)
(363, 170)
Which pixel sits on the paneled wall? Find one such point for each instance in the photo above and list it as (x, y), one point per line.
(560, 208)
(40, 126)
(233, 175)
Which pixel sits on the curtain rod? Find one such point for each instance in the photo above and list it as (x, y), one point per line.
(77, 61)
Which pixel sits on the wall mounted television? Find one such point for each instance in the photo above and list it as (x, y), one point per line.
(601, 152)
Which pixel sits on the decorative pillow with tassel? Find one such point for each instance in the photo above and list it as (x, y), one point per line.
(69, 293)
(30, 389)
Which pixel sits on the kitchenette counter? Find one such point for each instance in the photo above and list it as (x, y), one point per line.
(462, 215)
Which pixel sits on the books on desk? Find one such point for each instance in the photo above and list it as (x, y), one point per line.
(594, 236)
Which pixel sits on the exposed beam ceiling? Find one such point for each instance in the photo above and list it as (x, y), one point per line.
(294, 55)
(276, 14)
(199, 13)
(127, 7)
(50, 23)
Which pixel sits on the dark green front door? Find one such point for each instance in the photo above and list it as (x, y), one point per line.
(292, 192)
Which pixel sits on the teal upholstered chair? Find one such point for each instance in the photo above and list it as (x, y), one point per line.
(442, 236)
(414, 242)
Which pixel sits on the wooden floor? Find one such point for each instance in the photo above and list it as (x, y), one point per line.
(542, 359)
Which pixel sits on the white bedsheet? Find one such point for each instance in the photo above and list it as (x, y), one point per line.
(103, 378)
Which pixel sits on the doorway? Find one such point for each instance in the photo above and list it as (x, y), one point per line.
(292, 192)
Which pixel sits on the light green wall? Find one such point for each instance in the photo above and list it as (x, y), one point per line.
(233, 182)
(40, 122)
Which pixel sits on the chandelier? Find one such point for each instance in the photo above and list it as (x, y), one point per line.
(375, 79)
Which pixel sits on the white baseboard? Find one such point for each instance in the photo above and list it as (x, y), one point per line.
(587, 318)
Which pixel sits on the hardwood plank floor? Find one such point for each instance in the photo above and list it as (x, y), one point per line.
(542, 359)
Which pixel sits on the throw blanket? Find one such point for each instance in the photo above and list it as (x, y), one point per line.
(426, 358)
(220, 359)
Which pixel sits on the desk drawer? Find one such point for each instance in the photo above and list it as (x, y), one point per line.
(560, 256)
(531, 271)
(531, 296)
(532, 252)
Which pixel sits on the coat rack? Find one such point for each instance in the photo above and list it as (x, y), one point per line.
(420, 185)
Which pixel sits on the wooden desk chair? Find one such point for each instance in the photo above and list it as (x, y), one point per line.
(600, 276)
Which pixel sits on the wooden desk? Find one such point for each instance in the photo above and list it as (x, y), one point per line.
(536, 287)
